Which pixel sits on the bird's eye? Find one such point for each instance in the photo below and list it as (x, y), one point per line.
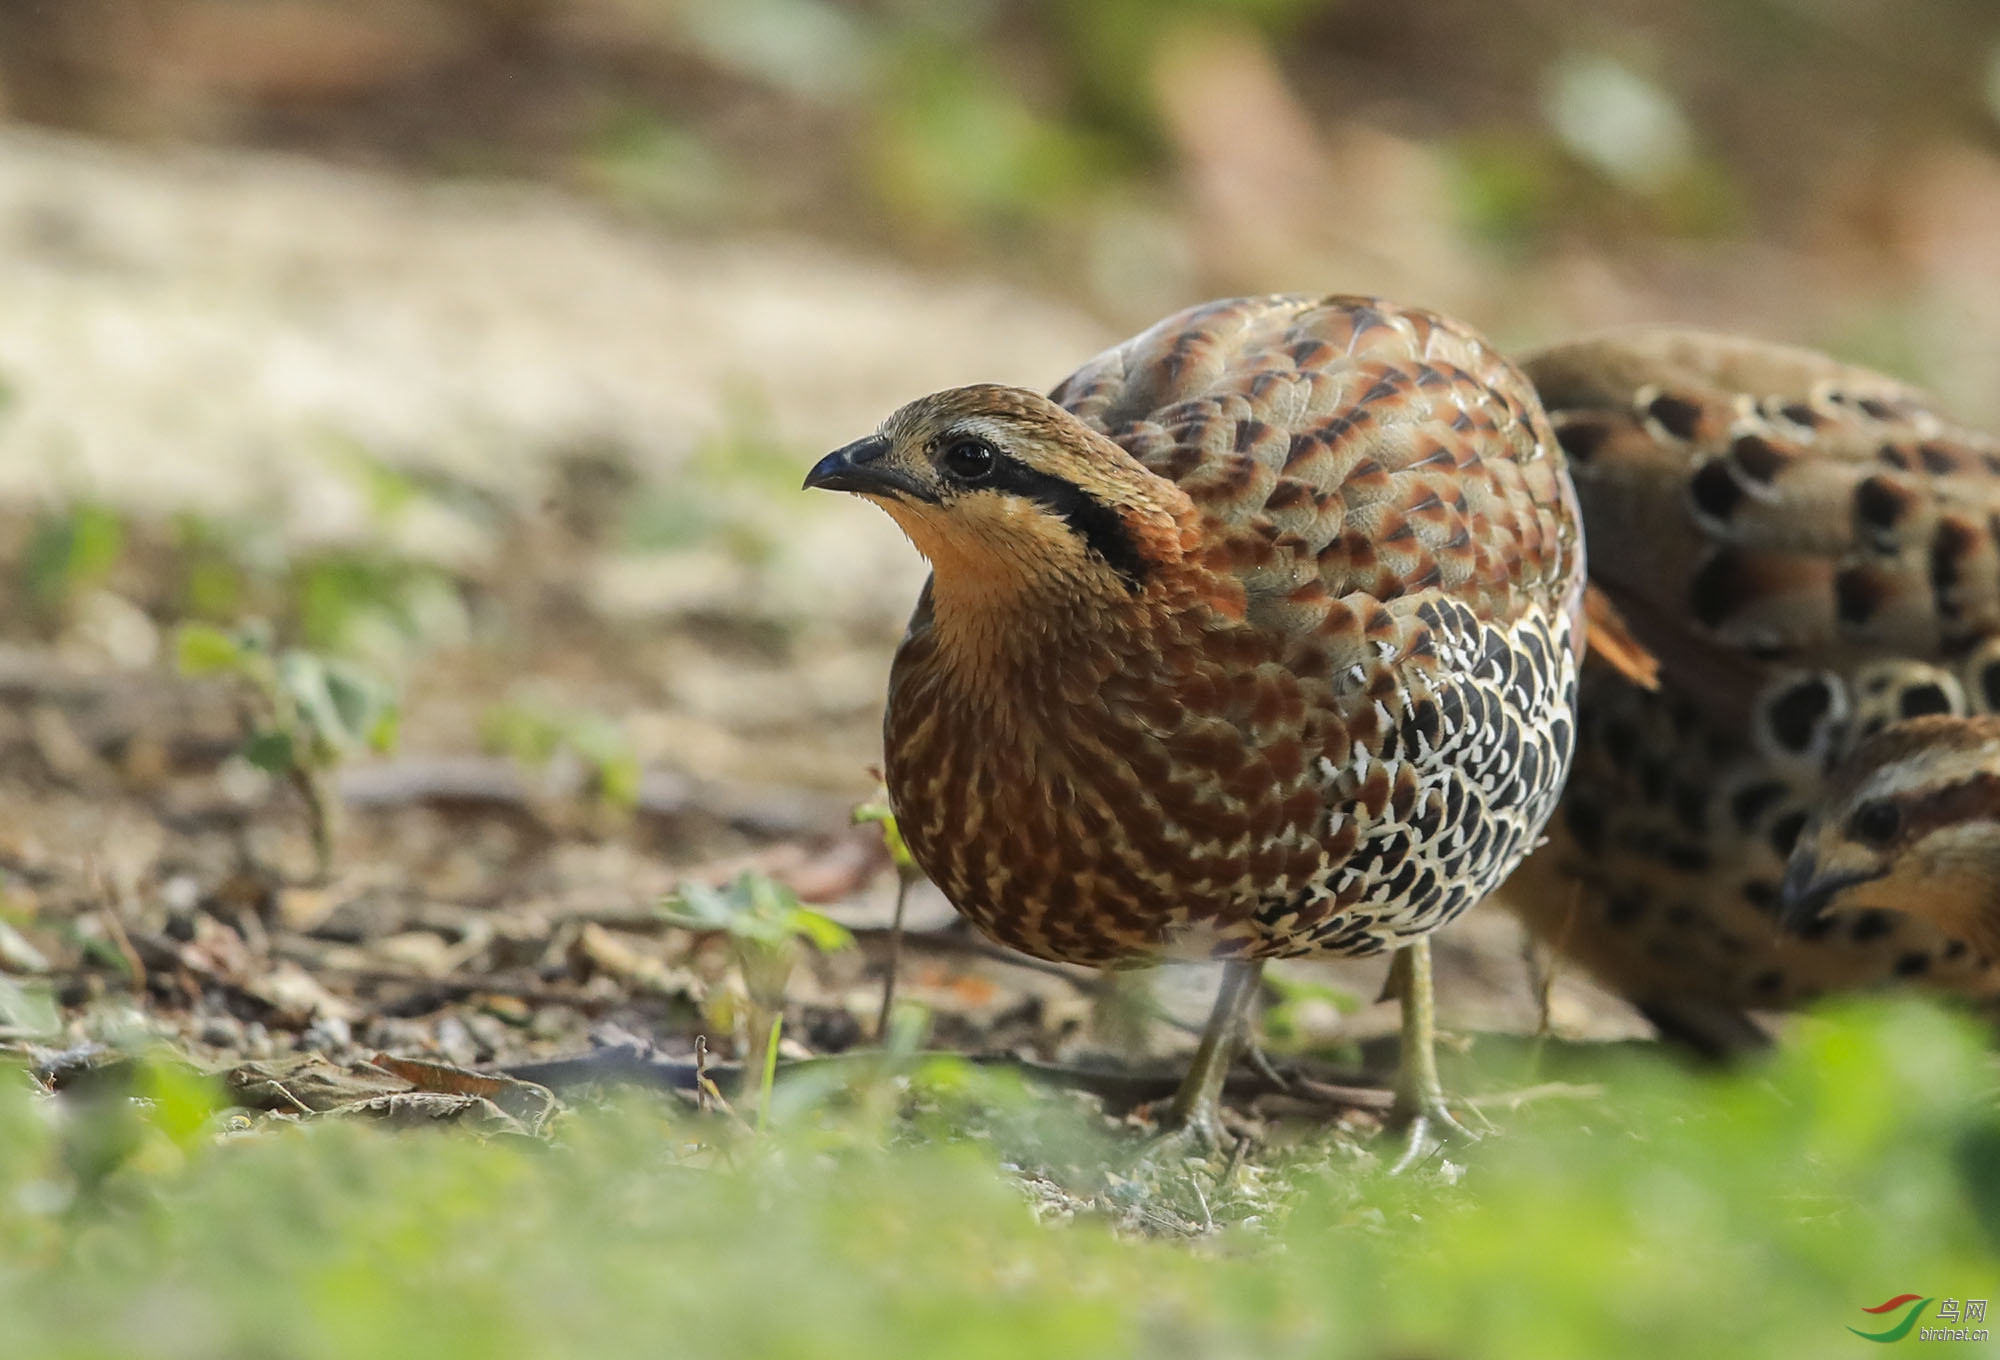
(1875, 823)
(969, 460)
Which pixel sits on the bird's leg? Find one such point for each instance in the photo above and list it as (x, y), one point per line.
(1195, 1117)
(1419, 1103)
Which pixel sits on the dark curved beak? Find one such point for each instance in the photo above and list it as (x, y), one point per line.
(863, 468)
(1806, 893)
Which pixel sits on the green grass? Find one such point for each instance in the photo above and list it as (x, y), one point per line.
(1751, 1215)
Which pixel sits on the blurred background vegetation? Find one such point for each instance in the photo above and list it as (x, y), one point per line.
(1825, 168)
(442, 371)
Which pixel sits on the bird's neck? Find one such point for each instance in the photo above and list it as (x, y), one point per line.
(1017, 603)
(990, 628)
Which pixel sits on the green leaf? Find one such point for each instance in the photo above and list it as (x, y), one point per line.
(879, 812)
(697, 906)
(303, 677)
(362, 703)
(71, 551)
(756, 911)
(271, 750)
(386, 730)
(824, 934)
(354, 698)
(389, 490)
(338, 704)
(202, 649)
(602, 744)
(521, 732)
(183, 1100)
(618, 781)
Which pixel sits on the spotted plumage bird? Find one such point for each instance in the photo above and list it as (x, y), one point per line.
(1256, 638)
(1809, 550)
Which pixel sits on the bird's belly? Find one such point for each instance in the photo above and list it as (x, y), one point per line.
(1371, 841)
(1038, 879)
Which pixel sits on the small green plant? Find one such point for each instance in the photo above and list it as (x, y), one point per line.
(71, 550)
(308, 713)
(535, 733)
(215, 581)
(389, 490)
(765, 925)
(365, 601)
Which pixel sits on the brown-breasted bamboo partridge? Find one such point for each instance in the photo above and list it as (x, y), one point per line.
(1909, 823)
(1256, 638)
(1809, 550)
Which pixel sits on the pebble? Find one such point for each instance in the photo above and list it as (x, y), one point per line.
(222, 1031)
(329, 1034)
(490, 1032)
(455, 1041)
(257, 1041)
(395, 1034)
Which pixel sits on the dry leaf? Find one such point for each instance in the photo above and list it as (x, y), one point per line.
(523, 1100)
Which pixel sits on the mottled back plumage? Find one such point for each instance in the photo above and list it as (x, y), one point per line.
(1304, 677)
(1809, 549)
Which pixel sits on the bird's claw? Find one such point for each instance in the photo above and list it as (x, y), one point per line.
(1429, 1126)
(1199, 1135)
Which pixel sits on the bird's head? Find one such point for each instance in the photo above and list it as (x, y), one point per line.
(1010, 496)
(1911, 823)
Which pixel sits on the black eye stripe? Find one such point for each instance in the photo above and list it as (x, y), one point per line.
(1097, 524)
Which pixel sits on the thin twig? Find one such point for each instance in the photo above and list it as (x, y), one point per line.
(702, 1084)
(895, 960)
(1332, 1093)
(114, 922)
(1207, 1218)
(1515, 1099)
(298, 1105)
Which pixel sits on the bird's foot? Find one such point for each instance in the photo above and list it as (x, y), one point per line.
(1196, 1135)
(1176, 1172)
(1428, 1128)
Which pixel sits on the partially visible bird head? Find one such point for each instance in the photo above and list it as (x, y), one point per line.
(1005, 491)
(1911, 823)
